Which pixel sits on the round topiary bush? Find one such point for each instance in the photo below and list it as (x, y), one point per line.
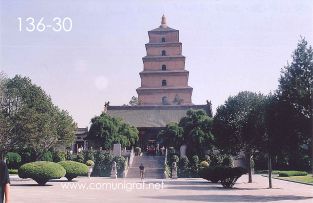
(90, 163)
(41, 171)
(74, 169)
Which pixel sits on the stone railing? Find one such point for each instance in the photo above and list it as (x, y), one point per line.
(128, 161)
(131, 157)
(166, 167)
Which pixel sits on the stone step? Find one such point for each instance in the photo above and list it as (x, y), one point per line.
(149, 173)
(153, 167)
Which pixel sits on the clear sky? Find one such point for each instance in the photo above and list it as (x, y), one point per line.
(230, 46)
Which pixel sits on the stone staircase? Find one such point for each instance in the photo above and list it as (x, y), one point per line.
(154, 167)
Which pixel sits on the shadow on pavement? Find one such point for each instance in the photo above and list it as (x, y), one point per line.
(231, 198)
(210, 187)
(29, 185)
(62, 181)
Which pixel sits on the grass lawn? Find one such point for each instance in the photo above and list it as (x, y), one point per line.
(301, 179)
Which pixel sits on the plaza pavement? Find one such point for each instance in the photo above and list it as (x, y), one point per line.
(181, 190)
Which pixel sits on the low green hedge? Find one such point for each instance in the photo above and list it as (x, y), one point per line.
(291, 173)
(41, 171)
(13, 171)
(74, 169)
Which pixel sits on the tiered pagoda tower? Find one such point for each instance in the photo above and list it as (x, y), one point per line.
(164, 80)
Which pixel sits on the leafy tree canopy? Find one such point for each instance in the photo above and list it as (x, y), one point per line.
(106, 131)
(31, 120)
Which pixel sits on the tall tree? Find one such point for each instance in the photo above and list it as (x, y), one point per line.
(238, 127)
(33, 118)
(197, 135)
(171, 136)
(295, 100)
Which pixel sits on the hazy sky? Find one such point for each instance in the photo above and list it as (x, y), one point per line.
(230, 46)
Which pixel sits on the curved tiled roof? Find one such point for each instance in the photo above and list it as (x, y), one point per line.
(151, 116)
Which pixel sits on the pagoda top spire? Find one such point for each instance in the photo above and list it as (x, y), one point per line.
(163, 22)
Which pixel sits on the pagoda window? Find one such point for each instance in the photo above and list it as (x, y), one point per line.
(163, 39)
(164, 83)
(163, 67)
(163, 53)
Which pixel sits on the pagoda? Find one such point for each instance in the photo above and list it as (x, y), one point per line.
(164, 95)
(164, 80)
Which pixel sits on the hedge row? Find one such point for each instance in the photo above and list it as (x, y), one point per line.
(292, 173)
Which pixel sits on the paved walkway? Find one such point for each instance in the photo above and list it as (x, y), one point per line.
(96, 190)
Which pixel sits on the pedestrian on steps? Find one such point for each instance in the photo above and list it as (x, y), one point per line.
(142, 171)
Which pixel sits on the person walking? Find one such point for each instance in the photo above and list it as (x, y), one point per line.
(4, 183)
(142, 171)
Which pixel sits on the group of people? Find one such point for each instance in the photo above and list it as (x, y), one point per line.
(4, 183)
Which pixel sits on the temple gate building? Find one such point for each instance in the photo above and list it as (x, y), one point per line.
(164, 95)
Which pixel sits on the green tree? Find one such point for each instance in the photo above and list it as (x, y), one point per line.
(66, 128)
(32, 117)
(171, 136)
(106, 131)
(239, 127)
(197, 126)
(294, 107)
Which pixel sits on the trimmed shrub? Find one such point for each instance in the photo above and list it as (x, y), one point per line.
(74, 169)
(194, 160)
(216, 160)
(120, 164)
(227, 175)
(47, 156)
(231, 175)
(90, 163)
(213, 174)
(292, 173)
(80, 158)
(13, 160)
(204, 164)
(70, 157)
(89, 155)
(227, 161)
(41, 171)
(59, 156)
(183, 167)
(194, 166)
(103, 164)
